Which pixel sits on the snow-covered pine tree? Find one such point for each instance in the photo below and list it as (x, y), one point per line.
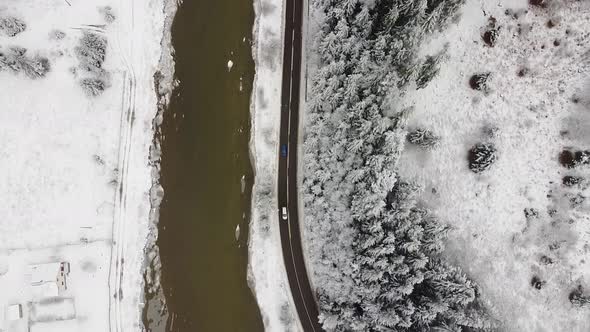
(423, 138)
(427, 72)
(481, 157)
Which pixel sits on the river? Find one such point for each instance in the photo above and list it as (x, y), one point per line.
(206, 173)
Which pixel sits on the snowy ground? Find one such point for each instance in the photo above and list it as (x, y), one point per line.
(267, 273)
(538, 104)
(76, 174)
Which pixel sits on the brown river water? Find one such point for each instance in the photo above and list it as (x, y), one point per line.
(206, 175)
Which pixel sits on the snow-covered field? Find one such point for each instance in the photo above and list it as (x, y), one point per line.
(267, 275)
(76, 167)
(537, 103)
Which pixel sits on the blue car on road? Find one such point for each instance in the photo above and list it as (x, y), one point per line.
(283, 150)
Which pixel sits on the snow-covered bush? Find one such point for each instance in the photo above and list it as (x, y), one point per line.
(479, 82)
(91, 52)
(481, 157)
(17, 61)
(540, 3)
(575, 200)
(264, 202)
(423, 138)
(12, 26)
(522, 72)
(36, 67)
(546, 260)
(6, 61)
(571, 159)
(490, 36)
(570, 180)
(107, 13)
(491, 32)
(93, 86)
(490, 131)
(531, 213)
(582, 157)
(537, 283)
(98, 160)
(566, 159)
(578, 298)
(57, 35)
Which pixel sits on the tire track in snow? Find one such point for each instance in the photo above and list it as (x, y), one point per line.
(120, 217)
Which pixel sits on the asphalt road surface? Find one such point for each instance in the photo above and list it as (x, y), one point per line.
(290, 235)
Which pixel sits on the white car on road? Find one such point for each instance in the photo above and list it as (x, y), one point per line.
(284, 213)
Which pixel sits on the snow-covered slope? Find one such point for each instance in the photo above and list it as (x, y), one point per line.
(517, 230)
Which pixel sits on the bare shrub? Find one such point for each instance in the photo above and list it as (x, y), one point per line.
(12, 26)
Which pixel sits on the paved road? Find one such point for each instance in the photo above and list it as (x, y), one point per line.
(290, 236)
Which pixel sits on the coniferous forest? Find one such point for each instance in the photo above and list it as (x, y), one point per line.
(375, 251)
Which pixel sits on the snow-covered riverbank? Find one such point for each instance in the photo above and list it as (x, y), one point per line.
(267, 275)
(76, 161)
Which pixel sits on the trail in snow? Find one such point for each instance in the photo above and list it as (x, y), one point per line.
(120, 217)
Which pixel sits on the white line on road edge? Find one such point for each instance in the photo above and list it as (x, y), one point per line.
(298, 283)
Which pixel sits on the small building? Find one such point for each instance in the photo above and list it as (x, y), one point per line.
(48, 289)
(14, 312)
(50, 277)
(52, 310)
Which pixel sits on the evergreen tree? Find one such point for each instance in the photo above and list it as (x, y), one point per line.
(423, 138)
(481, 157)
